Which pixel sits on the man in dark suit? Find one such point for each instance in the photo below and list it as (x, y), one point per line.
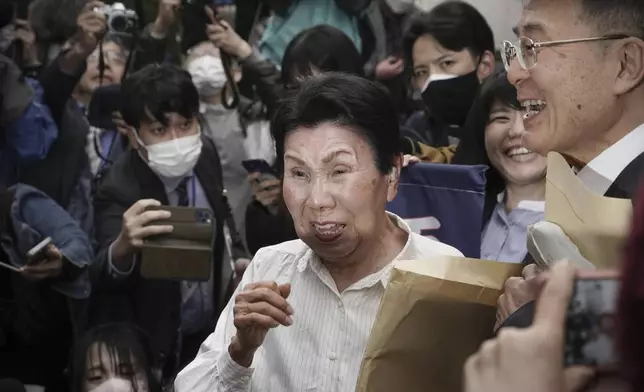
(170, 163)
(579, 74)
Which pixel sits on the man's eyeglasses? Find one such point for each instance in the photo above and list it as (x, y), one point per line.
(525, 49)
(113, 57)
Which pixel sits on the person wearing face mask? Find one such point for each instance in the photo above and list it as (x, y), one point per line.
(170, 163)
(221, 124)
(451, 50)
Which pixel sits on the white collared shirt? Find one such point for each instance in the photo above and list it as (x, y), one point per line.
(600, 173)
(323, 349)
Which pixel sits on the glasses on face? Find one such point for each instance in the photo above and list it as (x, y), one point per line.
(525, 49)
(113, 57)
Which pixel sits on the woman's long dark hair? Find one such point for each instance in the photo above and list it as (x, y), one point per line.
(471, 150)
(124, 343)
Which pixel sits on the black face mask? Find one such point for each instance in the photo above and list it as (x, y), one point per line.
(450, 100)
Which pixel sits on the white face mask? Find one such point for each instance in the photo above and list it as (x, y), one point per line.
(400, 6)
(173, 158)
(436, 78)
(208, 75)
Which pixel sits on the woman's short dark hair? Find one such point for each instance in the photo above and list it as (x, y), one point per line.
(158, 90)
(346, 100)
(471, 150)
(455, 25)
(324, 47)
(122, 342)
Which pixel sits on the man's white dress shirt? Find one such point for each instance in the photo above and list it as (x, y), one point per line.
(600, 173)
(322, 350)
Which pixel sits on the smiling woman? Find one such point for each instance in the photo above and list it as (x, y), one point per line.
(515, 189)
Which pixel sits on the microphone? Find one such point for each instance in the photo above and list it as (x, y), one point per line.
(11, 385)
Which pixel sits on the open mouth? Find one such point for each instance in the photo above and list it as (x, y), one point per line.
(532, 107)
(328, 232)
(520, 154)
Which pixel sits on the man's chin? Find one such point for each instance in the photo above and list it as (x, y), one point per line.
(538, 141)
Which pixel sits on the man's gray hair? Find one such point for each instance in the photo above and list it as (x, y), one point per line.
(616, 16)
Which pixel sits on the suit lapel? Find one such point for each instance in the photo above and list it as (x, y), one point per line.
(627, 183)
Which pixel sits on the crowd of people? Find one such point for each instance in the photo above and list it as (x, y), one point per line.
(104, 123)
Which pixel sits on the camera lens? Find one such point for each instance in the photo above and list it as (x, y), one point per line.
(119, 23)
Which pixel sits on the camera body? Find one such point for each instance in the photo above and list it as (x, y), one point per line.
(119, 18)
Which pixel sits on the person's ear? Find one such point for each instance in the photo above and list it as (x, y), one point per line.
(394, 178)
(486, 65)
(630, 60)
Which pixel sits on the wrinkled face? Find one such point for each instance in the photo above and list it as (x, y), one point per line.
(430, 58)
(334, 191)
(152, 132)
(505, 149)
(570, 90)
(115, 58)
(103, 367)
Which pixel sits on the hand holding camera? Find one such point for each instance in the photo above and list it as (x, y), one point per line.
(92, 26)
(166, 16)
(120, 20)
(224, 37)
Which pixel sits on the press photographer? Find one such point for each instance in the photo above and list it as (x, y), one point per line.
(171, 169)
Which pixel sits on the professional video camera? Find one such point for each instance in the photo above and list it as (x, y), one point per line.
(119, 18)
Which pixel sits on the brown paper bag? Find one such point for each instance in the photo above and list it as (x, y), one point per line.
(598, 225)
(434, 314)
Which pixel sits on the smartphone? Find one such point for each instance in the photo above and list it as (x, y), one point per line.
(38, 253)
(258, 166)
(590, 322)
(186, 252)
(266, 171)
(9, 267)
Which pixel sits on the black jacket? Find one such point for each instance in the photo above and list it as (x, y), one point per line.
(154, 305)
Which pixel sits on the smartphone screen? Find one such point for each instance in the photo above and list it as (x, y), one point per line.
(39, 252)
(259, 166)
(590, 323)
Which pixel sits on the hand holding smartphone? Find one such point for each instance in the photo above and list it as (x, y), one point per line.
(35, 258)
(38, 253)
(260, 166)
